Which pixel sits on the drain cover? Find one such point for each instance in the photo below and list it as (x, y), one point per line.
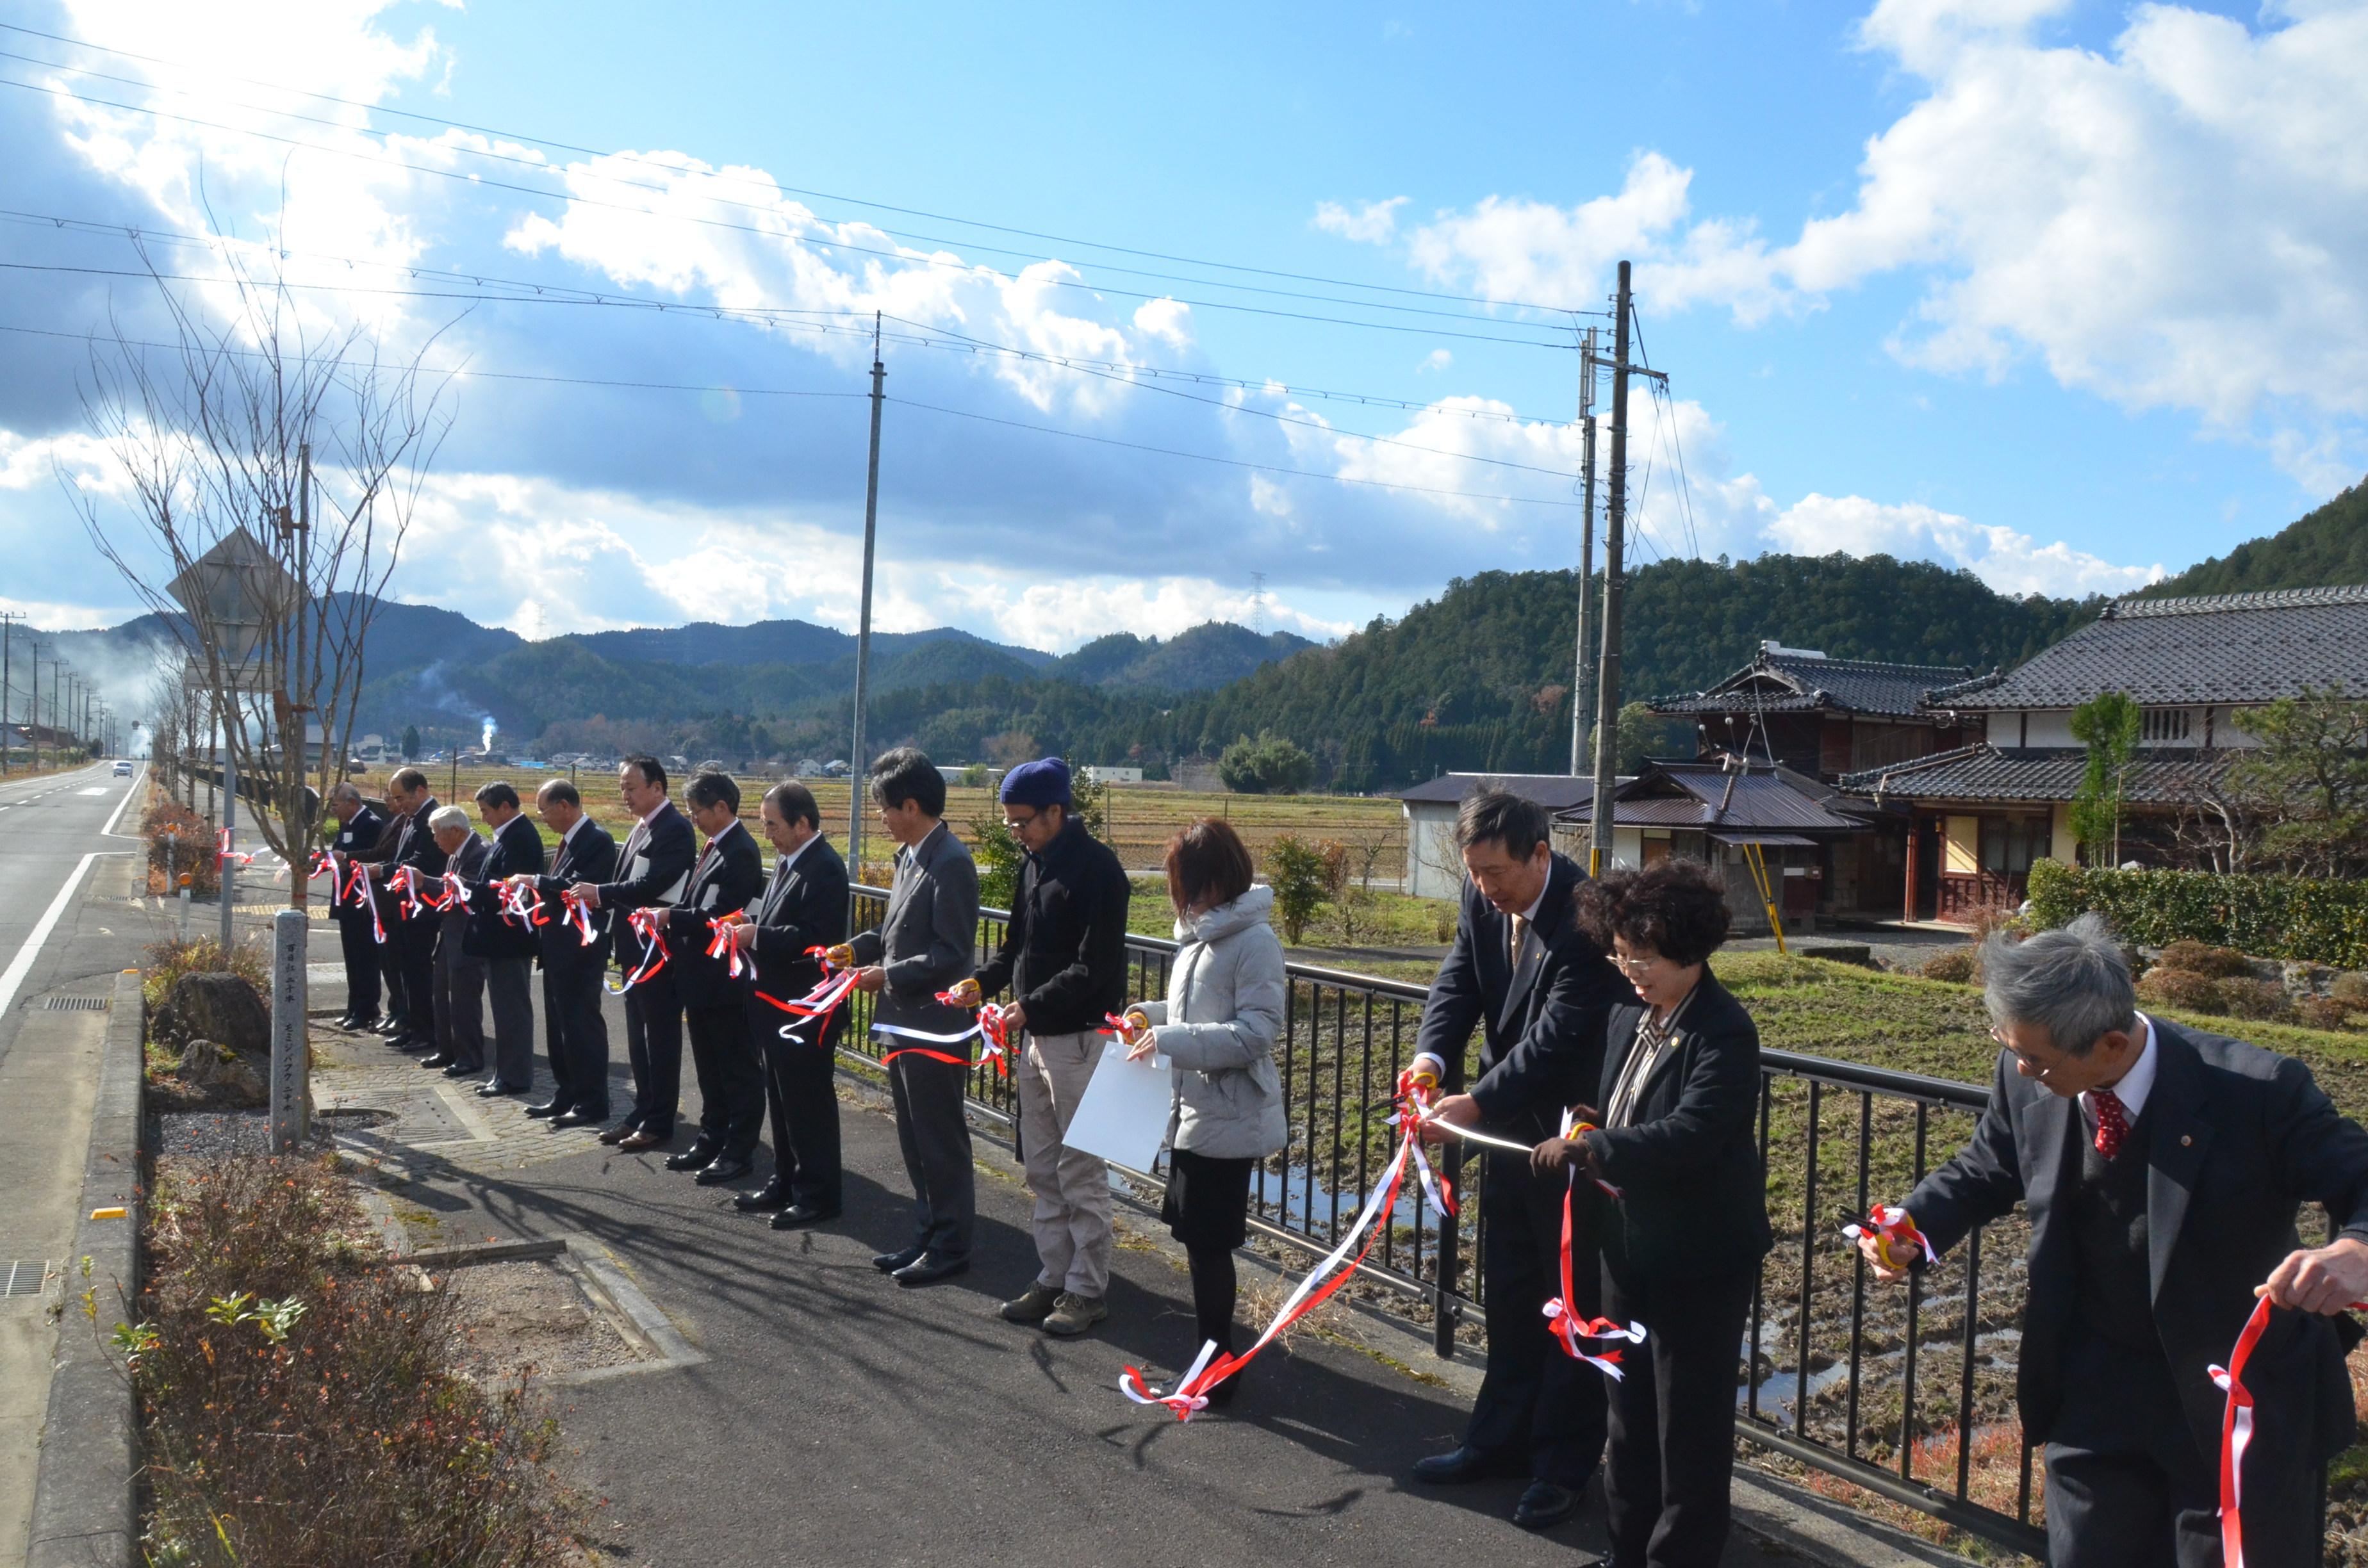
(22, 1276)
(73, 1004)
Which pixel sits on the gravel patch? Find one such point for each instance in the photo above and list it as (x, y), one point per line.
(530, 1318)
(203, 1133)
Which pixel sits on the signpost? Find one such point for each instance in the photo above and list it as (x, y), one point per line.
(291, 1098)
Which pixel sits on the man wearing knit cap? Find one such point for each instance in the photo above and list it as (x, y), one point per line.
(1063, 957)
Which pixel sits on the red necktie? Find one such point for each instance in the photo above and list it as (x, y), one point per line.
(2113, 1123)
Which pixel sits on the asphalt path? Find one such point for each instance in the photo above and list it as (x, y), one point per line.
(52, 830)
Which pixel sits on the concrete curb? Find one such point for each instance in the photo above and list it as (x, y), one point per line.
(83, 1514)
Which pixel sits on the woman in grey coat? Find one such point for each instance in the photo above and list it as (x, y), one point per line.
(1218, 1026)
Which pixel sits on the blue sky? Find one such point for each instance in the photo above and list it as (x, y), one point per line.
(2066, 293)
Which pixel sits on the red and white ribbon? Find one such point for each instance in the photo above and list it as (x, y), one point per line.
(651, 926)
(357, 892)
(225, 856)
(1562, 1313)
(988, 1030)
(720, 945)
(826, 998)
(2237, 1435)
(1896, 1237)
(403, 881)
(523, 905)
(574, 912)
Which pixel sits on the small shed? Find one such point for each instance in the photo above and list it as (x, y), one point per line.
(1433, 867)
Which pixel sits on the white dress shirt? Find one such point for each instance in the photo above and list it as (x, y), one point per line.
(2135, 1085)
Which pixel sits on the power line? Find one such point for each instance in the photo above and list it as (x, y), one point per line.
(775, 233)
(768, 184)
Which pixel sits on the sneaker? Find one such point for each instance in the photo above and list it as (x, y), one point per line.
(1034, 1307)
(1073, 1315)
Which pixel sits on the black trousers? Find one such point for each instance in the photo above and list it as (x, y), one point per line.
(731, 1076)
(576, 1035)
(1534, 1401)
(1667, 1481)
(415, 944)
(360, 951)
(460, 983)
(390, 968)
(654, 1045)
(802, 1093)
(935, 1137)
(509, 988)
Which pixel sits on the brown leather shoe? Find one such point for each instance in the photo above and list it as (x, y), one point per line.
(639, 1141)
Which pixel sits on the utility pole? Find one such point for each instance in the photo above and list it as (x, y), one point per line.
(33, 725)
(6, 616)
(1615, 521)
(856, 763)
(1586, 552)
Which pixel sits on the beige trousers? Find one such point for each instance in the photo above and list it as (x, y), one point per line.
(1073, 1191)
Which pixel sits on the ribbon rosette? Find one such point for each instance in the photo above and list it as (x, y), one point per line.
(650, 924)
(523, 905)
(720, 945)
(1896, 1237)
(987, 1029)
(820, 1003)
(574, 912)
(225, 856)
(403, 880)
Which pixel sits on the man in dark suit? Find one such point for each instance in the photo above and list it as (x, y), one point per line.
(576, 1033)
(2161, 1168)
(359, 825)
(927, 943)
(411, 928)
(1539, 989)
(651, 871)
(459, 973)
(805, 906)
(503, 944)
(728, 876)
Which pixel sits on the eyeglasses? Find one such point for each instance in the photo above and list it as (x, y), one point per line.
(1016, 823)
(1635, 965)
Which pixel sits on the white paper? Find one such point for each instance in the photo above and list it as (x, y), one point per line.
(1123, 1116)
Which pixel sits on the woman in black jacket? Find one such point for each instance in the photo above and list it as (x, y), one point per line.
(1680, 1097)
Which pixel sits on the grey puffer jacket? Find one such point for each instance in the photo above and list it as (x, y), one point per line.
(1222, 1016)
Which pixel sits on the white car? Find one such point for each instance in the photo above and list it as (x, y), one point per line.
(124, 770)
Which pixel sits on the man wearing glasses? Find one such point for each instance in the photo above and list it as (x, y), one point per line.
(1063, 957)
(2162, 1169)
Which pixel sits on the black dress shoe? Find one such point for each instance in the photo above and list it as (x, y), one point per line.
(617, 1134)
(364, 1023)
(457, 1071)
(572, 1118)
(722, 1170)
(774, 1194)
(698, 1157)
(391, 1027)
(495, 1088)
(798, 1214)
(344, 1021)
(1544, 1505)
(931, 1267)
(437, 1059)
(1460, 1465)
(890, 1262)
(548, 1107)
(411, 1044)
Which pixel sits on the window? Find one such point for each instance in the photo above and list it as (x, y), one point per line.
(1962, 848)
(2165, 724)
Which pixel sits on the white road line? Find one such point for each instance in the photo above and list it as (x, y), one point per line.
(23, 963)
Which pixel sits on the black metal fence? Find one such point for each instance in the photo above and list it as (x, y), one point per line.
(1904, 1391)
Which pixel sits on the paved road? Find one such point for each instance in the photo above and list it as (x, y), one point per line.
(52, 830)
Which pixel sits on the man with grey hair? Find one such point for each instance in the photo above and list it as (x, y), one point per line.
(2161, 1168)
(460, 975)
(359, 825)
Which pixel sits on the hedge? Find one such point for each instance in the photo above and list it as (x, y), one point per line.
(2269, 917)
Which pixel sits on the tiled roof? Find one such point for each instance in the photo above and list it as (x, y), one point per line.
(2224, 648)
(2036, 775)
(1555, 792)
(1697, 794)
(1791, 683)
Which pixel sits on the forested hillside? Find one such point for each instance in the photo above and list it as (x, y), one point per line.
(2323, 549)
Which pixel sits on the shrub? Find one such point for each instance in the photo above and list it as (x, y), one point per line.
(282, 1363)
(2254, 999)
(167, 962)
(1958, 966)
(179, 841)
(2351, 987)
(2276, 918)
(2330, 1012)
(1301, 875)
(2181, 988)
(2201, 958)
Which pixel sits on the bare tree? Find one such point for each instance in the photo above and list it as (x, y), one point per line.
(293, 452)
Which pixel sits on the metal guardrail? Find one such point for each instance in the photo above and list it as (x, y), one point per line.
(1863, 1409)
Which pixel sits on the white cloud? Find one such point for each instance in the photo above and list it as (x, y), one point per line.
(1369, 223)
(2009, 561)
(1064, 614)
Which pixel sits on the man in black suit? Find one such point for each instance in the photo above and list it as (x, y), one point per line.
(359, 825)
(2161, 1168)
(460, 973)
(1540, 990)
(728, 876)
(576, 1033)
(651, 871)
(805, 906)
(411, 928)
(503, 944)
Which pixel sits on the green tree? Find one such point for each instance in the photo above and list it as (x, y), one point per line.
(1271, 765)
(2309, 779)
(1301, 875)
(2108, 724)
(1644, 734)
(411, 743)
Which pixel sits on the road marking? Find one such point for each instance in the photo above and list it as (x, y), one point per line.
(23, 964)
(93, 789)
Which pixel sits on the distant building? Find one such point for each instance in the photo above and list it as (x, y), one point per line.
(1113, 775)
(1981, 814)
(1823, 717)
(1434, 867)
